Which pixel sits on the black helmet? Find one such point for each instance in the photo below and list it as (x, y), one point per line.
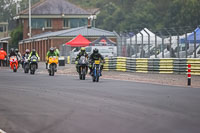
(17, 50)
(95, 51)
(51, 50)
(12, 50)
(33, 51)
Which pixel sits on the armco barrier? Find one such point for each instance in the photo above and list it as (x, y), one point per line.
(176, 66)
(144, 65)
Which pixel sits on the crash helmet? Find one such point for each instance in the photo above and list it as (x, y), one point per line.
(83, 50)
(33, 52)
(12, 50)
(27, 51)
(16, 50)
(51, 50)
(95, 51)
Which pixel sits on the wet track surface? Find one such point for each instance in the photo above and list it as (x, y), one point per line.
(63, 104)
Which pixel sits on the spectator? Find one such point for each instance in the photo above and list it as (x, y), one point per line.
(3, 56)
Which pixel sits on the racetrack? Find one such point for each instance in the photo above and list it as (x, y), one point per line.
(64, 104)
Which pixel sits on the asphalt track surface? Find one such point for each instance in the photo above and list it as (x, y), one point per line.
(63, 104)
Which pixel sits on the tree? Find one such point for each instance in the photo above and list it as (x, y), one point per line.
(16, 36)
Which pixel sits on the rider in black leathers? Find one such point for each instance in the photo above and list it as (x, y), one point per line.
(12, 52)
(95, 56)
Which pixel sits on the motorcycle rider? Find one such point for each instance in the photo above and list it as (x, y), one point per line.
(51, 52)
(81, 53)
(12, 52)
(96, 56)
(34, 53)
(19, 56)
(25, 55)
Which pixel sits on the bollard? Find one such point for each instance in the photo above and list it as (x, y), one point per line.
(189, 74)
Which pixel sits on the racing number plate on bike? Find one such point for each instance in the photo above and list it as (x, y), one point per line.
(97, 61)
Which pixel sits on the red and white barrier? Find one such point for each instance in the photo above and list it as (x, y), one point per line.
(189, 74)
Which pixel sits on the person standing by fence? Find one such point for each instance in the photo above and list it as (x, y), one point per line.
(3, 56)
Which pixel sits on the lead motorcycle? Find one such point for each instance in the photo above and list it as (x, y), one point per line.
(13, 63)
(52, 65)
(83, 67)
(33, 64)
(96, 67)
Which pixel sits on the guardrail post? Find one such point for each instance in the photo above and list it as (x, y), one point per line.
(189, 74)
(142, 47)
(136, 45)
(195, 45)
(186, 45)
(148, 43)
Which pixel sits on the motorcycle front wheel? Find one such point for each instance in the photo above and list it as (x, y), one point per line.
(52, 70)
(14, 69)
(33, 67)
(83, 73)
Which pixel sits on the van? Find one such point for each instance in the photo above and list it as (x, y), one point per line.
(105, 51)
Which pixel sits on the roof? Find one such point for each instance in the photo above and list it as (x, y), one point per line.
(145, 33)
(103, 40)
(84, 31)
(54, 7)
(79, 41)
(5, 39)
(190, 37)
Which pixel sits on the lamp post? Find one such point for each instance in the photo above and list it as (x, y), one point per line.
(29, 19)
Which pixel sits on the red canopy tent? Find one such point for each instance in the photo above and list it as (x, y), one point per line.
(79, 41)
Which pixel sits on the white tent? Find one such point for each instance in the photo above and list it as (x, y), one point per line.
(145, 38)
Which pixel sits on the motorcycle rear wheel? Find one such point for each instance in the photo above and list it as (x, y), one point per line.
(80, 76)
(14, 69)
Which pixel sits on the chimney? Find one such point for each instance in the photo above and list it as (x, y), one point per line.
(89, 23)
(90, 19)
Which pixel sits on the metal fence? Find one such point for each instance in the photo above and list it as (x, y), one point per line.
(166, 43)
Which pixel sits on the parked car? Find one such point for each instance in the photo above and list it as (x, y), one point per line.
(197, 53)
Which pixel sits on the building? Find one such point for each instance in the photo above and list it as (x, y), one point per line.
(4, 43)
(54, 15)
(3, 29)
(44, 41)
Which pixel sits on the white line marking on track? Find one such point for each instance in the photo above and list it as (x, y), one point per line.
(1, 131)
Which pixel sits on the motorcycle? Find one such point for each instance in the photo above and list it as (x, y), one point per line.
(83, 67)
(52, 65)
(96, 71)
(33, 64)
(26, 64)
(13, 63)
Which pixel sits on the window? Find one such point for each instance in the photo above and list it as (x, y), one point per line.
(66, 23)
(74, 22)
(1, 29)
(88, 49)
(48, 23)
(40, 23)
(77, 22)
